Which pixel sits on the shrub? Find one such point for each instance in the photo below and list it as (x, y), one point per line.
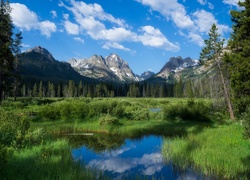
(49, 112)
(36, 137)
(194, 111)
(13, 128)
(108, 120)
(140, 114)
(246, 122)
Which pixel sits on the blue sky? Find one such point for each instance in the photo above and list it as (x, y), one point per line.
(145, 33)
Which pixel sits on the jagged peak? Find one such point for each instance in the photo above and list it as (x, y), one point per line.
(41, 50)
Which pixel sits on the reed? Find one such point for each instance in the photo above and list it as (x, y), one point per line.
(220, 151)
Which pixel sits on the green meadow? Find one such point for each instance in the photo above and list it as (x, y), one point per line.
(195, 134)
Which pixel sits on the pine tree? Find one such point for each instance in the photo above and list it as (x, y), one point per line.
(6, 56)
(214, 51)
(16, 48)
(238, 60)
(34, 91)
(40, 90)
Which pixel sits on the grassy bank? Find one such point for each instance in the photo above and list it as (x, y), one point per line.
(220, 151)
(51, 160)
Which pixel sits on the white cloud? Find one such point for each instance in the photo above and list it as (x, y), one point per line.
(25, 45)
(233, 2)
(90, 19)
(210, 5)
(203, 2)
(46, 28)
(114, 45)
(196, 39)
(71, 28)
(95, 10)
(53, 13)
(79, 39)
(25, 19)
(22, 17)
(170, 9)
(117, 34)
(151, 163)
(154, 38)
(204, 21)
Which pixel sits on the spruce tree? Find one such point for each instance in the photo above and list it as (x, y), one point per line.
(214, 51)
(6, 56)
(238, 60)
(16, 49)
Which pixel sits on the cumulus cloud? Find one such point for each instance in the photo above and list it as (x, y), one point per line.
(232, 2)
(154, 38)
(170, 9)
(196, 38)
(91, 19)
(204, 21)
(26, 19)
(71, 28)
(114, 45)
(192, 26)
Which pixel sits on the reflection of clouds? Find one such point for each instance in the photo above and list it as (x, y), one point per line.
(151, 163)
(115, 165)
(119, 151)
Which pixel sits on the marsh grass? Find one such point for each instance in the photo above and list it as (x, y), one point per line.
(220, 151)
(49, 161)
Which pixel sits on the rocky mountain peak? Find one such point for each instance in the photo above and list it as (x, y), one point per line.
(43, 51)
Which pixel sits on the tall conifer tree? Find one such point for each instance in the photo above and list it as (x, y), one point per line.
(214, 51)
(238, 60)
(6, 57)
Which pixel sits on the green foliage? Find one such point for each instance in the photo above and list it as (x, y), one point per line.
(13, 129)
(246, 122)
(108, 120)
(238, 60)
(190, 111)
(36, 137)
(140, 114)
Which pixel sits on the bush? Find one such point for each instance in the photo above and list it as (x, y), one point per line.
(13, 129)
(140, 114)
(36, 137)
(246, 122)
(190, 111)
(108, 120)
(49, 112)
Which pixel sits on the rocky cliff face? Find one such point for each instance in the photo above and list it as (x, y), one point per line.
(111, 68)
(177, 64)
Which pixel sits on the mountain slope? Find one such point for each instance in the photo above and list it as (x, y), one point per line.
(38, 63)
(110, 68)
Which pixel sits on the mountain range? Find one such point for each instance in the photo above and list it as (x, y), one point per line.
(39, 63)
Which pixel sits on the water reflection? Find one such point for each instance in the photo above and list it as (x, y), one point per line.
(121, 158)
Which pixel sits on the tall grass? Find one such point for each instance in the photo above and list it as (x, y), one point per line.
(220, 151)
(49, 161)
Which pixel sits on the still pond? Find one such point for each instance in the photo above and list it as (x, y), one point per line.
(124, 158)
